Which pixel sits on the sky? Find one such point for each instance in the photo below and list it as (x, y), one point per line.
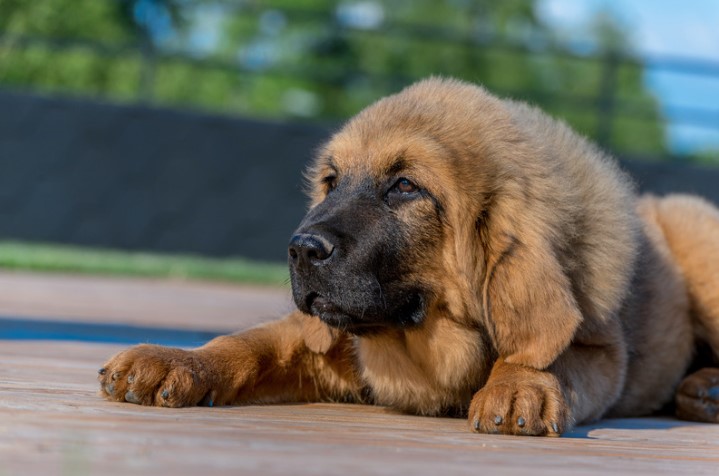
(661, 28)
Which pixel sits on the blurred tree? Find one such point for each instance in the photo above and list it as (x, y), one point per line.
(319, 59)
(81, 19)
(68, 61)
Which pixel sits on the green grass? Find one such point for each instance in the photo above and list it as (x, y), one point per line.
(73, 259)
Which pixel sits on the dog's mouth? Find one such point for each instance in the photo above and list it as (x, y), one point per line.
(332, 314)
(321, 306)
(409, 313)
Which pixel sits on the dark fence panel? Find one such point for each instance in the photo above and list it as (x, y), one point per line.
(661, 178)
(139, 178)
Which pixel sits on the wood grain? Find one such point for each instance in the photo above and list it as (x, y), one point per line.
(176, 304)
(53, 422)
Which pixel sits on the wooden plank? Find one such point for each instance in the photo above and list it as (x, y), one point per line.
(177, 304)
(53, 422)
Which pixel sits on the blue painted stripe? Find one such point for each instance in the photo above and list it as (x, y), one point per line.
(12, 328)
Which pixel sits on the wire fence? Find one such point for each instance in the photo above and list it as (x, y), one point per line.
(607, 106)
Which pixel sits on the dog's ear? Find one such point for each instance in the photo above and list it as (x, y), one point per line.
(527, 297)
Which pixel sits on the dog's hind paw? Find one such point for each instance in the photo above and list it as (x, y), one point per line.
(697, 397)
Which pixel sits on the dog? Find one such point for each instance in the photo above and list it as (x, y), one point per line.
(468, 255)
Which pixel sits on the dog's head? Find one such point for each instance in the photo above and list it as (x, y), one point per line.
(390, 195)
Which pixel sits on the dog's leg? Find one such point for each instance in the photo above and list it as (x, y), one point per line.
(294, 359)
(691, 227)
(578, 387)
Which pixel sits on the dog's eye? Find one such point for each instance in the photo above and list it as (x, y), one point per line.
(404, 185)
(330, 182)
(402, 191)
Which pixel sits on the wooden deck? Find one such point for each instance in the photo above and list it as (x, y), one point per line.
(53, 422)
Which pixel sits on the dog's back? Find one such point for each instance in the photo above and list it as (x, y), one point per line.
(675, 301)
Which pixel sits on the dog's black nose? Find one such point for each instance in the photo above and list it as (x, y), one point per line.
(306, 248)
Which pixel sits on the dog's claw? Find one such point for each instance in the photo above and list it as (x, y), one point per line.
(209, 399)
(165, 394)
(713, 393)
(131, 397)
(521, 422)
(498, 420)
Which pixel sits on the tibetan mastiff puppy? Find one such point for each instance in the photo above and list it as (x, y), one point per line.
(468, 255)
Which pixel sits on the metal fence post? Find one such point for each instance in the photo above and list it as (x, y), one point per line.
(605, 100)
(147, 68)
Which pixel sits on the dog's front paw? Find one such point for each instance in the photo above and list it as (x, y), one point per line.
(161, 376)
(519, 401)
(698, 396)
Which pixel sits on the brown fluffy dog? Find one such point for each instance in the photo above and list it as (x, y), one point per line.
(469, 255)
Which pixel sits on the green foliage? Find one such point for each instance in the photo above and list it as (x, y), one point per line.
(706, 157)
(25, 60)
(283, 58)
(80, 19)
(76, 70)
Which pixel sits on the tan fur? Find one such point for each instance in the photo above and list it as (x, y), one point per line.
(559, 297)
